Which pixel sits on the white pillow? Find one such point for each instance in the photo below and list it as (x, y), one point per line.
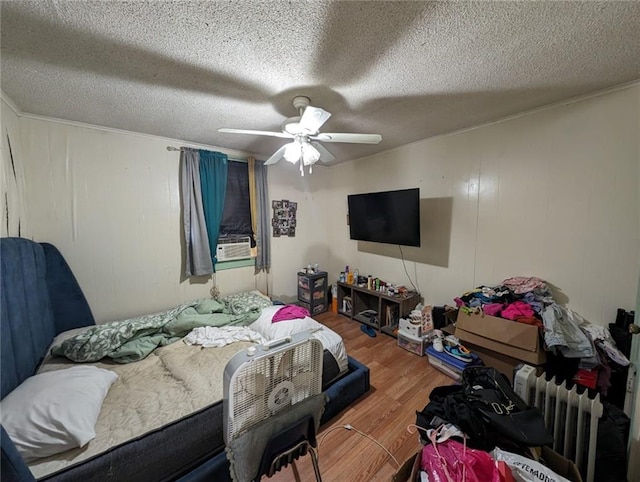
(280, 329)
(55, 411)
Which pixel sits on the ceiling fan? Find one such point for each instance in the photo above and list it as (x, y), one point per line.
(304, 130)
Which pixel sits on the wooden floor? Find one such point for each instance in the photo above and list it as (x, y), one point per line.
(400, 384)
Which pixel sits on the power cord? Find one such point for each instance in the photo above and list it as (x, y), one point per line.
(352, 428)
(405, 269)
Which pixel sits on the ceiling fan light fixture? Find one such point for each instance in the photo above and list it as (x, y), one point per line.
(310, 154)
(306, 139)
(293, 152)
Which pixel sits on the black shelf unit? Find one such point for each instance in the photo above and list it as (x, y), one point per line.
(312, 292)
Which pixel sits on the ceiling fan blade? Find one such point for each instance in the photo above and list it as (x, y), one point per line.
(325, 155)
(255, 133)
(313, 118)
(276, 156)
(344, 137)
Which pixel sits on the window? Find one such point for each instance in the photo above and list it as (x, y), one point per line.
(218, 199)
(235, 228)
(236, 217)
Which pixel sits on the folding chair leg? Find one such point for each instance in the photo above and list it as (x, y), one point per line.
(314, 461)
(296, 474)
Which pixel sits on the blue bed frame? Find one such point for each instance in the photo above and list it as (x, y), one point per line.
(40, 299)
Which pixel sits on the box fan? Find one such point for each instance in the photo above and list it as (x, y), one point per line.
(262, 380)
(269, 389)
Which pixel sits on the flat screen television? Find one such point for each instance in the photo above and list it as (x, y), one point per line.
(391, 217)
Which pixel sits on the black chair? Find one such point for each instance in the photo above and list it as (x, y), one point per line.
(287, 446)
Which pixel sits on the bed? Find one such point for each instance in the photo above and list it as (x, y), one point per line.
(41, 300)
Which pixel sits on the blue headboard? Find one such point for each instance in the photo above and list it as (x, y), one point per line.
(40, 298)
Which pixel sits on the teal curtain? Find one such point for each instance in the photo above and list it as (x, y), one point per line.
(213, 181)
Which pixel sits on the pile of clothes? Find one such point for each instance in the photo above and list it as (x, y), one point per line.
(565, 332)
(481, 431)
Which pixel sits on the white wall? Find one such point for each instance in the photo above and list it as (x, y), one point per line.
(110, 202)
(12, 203)
(552, 194)
(310, 244)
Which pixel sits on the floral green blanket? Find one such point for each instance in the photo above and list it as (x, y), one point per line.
(133, 339)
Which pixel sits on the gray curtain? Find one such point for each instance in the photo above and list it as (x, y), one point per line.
(263, 235)
(198, 254)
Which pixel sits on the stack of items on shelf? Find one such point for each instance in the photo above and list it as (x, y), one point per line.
(482, 321)
(372, 283)
(481, 430)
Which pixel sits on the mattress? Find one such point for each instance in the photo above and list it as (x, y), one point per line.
(174, 385)
(170, 384)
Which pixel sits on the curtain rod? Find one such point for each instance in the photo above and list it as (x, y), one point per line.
(180, 149)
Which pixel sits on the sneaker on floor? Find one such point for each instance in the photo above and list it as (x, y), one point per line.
(452, 340)
(459, 352)
(368, 330)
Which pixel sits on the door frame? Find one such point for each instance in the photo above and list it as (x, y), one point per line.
(633, 450)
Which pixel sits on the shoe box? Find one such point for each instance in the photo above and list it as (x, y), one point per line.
(410, 327)
(449, 365)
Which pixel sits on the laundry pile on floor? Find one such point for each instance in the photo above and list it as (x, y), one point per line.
(565, 333)
(481, 430)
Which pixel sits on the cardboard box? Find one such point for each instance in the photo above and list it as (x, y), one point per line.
(409, 470)
(560, 465)
(502, 363)
(504, 337)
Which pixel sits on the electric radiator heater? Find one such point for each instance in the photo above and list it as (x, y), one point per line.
(571, 417)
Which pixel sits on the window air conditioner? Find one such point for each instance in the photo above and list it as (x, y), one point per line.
(233, 249)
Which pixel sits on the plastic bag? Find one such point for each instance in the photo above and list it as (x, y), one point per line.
(524, 469)
(450, 461)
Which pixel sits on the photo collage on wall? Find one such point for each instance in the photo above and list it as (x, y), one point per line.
(284, 218)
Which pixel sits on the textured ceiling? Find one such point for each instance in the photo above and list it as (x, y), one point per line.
(406, 70)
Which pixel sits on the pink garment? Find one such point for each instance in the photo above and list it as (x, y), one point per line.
(493, 309)
(290, 312)
(517, 309)
(522, 284)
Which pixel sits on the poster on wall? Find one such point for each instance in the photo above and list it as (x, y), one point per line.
(284, 218)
